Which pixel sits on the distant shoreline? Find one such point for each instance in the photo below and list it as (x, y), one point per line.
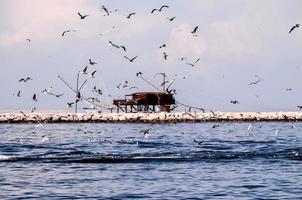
(148, 117)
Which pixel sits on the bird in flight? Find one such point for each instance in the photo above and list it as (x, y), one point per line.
(47, 91)
(106, 10)
(163, 46)
(165, 55)
(160, 9)
(82, 16)
(255, 82)
(139, 74)
(56, 95)
(193, 64)
(69, 105)
(171, 19)
(128, 16)
(25, 79)
(133, 87)
(28, 40)
(35, 97)
(84, 70)
(92, 62)
(164, 6)
(194, 31)
(123, 47)
(146, 132)
(114, 45)
(18, 94)
(295, 26)
(155, 9)
(67, 31)
(235, 102)
(132, 59)
(93, 74)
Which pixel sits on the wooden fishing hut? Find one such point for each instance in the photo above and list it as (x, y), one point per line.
(145, 102)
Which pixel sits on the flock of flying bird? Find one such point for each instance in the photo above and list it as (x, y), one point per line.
(129, 16)
(108, 12)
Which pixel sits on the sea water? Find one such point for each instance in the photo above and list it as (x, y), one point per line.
(160, 161)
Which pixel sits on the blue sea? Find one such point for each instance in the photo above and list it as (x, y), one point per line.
(222, 160)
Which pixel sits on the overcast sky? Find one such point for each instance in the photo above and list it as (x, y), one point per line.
(237, 39)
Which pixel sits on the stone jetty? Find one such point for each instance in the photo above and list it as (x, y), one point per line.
(147, 117)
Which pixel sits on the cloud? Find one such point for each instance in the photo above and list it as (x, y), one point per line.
(39, 20)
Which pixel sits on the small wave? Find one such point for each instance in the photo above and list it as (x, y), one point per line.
(189, 156)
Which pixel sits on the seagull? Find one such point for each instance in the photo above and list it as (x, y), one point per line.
(164, 6)
(193, 64)
(25, 79)
(235, 102)
(123, 47)
(160, 9)
(213, 113)
(56, 95)
(82, 16)
(299, 107)
(249, 130)
(92, 74)
(295, 26)
(19, 94)
(28, 40)
(215, 126)
(106, 10)
(69, 105)
(119, 86)
(171, 19)
(132, 59)
(67, 31)
(114, 45)
(172, 91)
(128, 17)
(125, 84)
(92, 62)
(146, 132)
(47, 91)
(133, 87)
(255, 82)
(162, 46)
(288, 89)
(197, 142)
(194, 31)
(276, 132)
(155, 9)
(84, 70)
(139, 74)
(165, 55)
(35, 97)
(182, 58)
(99, 91)
(33, 109)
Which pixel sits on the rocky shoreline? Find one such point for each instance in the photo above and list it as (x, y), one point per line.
(148, 117)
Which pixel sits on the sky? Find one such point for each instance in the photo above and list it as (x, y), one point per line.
(238, 42)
